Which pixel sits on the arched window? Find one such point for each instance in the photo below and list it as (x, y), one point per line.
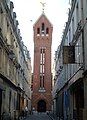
(43, 29)
(43, 26)
(38, 31)
(42, 67)
(47, 31)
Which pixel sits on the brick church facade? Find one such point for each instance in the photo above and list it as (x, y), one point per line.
(42, 76)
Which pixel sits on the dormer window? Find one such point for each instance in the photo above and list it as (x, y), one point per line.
(43, 29)
(47, 31)
(38, 31)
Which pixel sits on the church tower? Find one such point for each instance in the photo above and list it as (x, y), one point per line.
(42, 76)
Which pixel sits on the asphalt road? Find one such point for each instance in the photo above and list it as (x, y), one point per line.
(38, 116)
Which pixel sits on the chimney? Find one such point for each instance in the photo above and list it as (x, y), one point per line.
(19, 35)
(11, 8)
(17, 25)
(14, 18)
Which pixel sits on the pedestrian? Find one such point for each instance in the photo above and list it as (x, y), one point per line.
(22, 112)
(26, 111)
(33, 110)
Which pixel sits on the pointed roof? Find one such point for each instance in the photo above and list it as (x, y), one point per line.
(42, 15)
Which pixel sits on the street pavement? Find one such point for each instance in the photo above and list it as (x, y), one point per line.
(38, 116)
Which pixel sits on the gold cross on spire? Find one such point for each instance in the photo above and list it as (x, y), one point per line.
(43, 6)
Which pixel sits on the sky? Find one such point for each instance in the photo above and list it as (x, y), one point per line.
(28, 11)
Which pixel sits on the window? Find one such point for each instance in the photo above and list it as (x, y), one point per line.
(9, 100)
(42, 67)
(38, 31)
(43, 29)
(42, 26)
(43, 81)
(73, 26)
(43, 50)
(69, 35)
(40, 81)
(42, 56)
(77, 14)
(47, 31)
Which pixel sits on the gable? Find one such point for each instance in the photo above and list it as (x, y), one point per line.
(42, 18)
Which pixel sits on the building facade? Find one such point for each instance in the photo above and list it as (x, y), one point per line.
(70, 89)
(42, 79)
(15, 64)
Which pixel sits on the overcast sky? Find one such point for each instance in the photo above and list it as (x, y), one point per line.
(28, 12)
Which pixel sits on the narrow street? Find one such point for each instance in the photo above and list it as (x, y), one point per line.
(43, 60)
(38, 116)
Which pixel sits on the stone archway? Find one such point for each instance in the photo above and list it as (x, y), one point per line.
(41, 106)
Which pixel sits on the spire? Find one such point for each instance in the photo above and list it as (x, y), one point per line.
(43, 6)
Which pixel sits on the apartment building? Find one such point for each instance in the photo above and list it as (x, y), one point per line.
(15, 64)
(70, 89)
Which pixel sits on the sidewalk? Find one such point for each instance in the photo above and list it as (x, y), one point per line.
(53, 116)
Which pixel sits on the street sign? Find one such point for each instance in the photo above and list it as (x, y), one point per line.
(68, 54)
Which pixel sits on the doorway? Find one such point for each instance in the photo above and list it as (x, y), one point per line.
(78, 100)
(0, 101)
(41, 106)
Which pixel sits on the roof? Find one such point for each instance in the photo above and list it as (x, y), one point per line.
(43, 14)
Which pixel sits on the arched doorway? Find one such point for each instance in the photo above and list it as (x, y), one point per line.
(41, 106)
